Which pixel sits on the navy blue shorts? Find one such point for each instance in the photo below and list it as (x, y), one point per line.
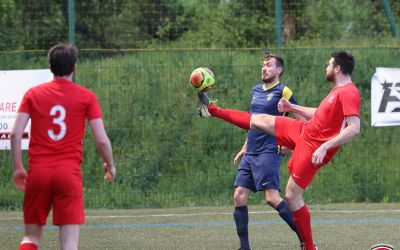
(259, 172)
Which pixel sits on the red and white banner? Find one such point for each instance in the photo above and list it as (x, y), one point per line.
(385, 97)
(13, 85)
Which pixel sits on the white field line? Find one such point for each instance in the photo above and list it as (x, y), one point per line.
(215, 213)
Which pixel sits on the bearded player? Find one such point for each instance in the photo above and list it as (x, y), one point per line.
(314, 142)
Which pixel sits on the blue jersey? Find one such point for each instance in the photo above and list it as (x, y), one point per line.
(265, 101)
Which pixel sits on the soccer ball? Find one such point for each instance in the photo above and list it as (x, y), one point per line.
(202, 79)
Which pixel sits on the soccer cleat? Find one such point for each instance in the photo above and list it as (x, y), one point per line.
(204, 104)
(203, 111)
(204, 98)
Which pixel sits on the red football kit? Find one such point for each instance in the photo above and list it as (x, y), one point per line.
(58, 112)
(306, 136)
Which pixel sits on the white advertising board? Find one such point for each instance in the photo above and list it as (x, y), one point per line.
(14, 84)
(385, 97)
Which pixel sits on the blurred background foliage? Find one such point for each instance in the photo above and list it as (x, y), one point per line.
(123, 24)
(138, 55)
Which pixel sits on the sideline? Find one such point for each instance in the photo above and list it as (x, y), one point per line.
(211, 224)
(215, 213)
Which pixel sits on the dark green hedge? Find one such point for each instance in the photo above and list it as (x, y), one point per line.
(167, 156)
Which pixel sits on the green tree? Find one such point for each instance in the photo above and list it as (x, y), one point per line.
(42, 23)
(10, 27)
(229, 24)
(107, 24)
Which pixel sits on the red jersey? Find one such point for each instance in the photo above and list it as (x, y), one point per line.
(58, 111)
(329, 118)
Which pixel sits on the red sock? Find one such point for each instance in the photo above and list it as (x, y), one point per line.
(302, 219)
(236, 117)
(27, 246)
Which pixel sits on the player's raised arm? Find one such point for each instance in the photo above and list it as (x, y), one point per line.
(104, 147)
(349, 132)
(285, 106)
(20, 175)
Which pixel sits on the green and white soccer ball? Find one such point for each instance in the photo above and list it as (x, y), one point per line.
(202, 79)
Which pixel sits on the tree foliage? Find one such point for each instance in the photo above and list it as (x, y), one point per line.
(119, 24)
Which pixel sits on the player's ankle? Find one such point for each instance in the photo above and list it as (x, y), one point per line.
(212, 108)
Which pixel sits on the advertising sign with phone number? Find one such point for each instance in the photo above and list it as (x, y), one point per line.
(14, 84)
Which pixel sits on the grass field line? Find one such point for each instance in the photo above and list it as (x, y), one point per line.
(230, 213)
(209, 224)
(214, 213)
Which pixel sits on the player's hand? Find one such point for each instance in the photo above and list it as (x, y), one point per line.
(238, 156)
(110, 172)
(285, 150)
(19, 179)
(319, 155)
(284, 105)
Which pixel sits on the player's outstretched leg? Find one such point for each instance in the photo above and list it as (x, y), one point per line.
(238, 118)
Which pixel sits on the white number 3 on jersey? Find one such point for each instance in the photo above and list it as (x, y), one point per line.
(58, 120)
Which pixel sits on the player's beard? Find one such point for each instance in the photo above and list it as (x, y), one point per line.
(268, 79)
(330, 77)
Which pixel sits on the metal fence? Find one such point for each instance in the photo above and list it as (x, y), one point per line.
(132, 24)
(166, 155)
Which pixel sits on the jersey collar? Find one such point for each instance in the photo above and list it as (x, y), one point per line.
(270, 87)
(61, 80)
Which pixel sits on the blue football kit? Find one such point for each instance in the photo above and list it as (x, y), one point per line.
(259, 167)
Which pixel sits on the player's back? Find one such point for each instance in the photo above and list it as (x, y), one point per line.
(58, 111)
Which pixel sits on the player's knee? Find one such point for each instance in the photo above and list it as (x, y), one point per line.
(256, 122)
(240, 199)
(288, 197)
(273, 201)
(294, 200)
(263, 122)
(294, 194)
(291, 196)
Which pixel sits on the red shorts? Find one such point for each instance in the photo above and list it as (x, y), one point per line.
(59, 187)
(289, 133)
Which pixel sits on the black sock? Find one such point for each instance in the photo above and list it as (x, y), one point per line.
(285, 213)
(241, 216)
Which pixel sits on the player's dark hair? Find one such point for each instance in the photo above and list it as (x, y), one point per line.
(345, 60)
(62, 59)
(279, 61)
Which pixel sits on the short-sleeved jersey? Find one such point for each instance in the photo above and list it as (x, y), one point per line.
(265, 101)
(58, 110)
(329, 118)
